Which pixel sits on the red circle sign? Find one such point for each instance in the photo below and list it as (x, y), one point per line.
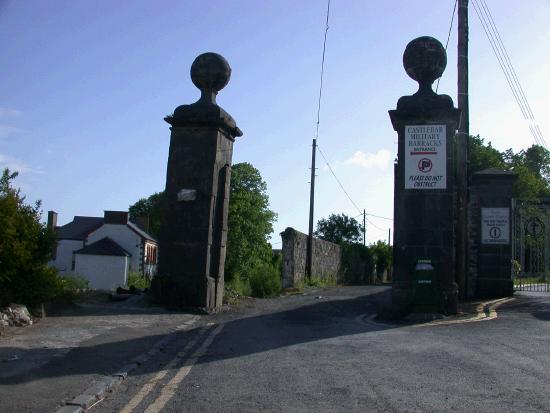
(425, 165)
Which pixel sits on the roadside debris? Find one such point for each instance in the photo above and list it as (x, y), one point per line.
(125, 293)
(15, 315)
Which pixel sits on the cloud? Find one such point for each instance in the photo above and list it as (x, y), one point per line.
(16, 165)
(9, 113)
(379, 160)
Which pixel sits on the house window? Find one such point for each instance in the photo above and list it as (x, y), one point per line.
(150, 254)
(73, 262)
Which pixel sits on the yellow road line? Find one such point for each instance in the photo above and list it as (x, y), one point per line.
(481, 315)
(170, 389)
(150, 385)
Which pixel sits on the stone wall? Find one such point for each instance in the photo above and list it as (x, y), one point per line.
(326, 258)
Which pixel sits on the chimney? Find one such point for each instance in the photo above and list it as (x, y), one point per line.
(52, 220)
(116, 217)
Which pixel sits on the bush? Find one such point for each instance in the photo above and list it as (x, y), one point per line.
(25, 248)
(74, 283)
(137, 280)
(315, 282)
(357, 263)
(265, 280)
(32, 287)
(240, 285)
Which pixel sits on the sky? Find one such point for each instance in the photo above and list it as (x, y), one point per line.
(85, 86)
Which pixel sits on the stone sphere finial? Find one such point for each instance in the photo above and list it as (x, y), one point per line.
(425, 60)
(210, 72)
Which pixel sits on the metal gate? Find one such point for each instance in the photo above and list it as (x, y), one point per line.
(531, 245)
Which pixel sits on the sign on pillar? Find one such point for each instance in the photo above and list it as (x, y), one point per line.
(426, 157)
(424, 198)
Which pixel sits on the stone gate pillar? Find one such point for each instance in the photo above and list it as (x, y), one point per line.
(491, 234)
(194, 226)
(424, 200)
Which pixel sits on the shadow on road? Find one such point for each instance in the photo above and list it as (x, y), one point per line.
(320, 318)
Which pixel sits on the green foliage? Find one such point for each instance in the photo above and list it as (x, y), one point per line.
(150, 208)
(484, 156)
(26, 246)
(339, 228)
(265, 280)
(242, 287)
(315, 282)
(357, 263)
(532, 166)
(250, 222)
(138, 280)
(382, 256)
(75, 283)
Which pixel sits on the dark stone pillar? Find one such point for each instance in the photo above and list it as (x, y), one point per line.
(491, 238)
(194, 228)
(424, 197)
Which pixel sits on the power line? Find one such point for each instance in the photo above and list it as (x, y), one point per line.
(322, 71)
(448, 38)
(347, 194)
(489, 27)
(512, 70)
(337, 180)
(378, 216)
(375, 226)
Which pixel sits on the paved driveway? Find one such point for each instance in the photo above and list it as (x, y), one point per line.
(321, 352)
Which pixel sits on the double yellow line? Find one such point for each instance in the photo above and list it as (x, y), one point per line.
(169, 390)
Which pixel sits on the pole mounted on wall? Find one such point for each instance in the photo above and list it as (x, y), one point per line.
(462, 152)
(311, 207)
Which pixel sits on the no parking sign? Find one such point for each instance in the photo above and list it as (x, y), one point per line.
(425, 157)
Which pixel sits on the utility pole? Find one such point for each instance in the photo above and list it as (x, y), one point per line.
(364, 227)
(389, 237)
(309, 258)
(462, 152)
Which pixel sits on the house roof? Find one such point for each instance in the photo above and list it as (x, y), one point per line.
(105, 246)
(79, 228)
(140, 232)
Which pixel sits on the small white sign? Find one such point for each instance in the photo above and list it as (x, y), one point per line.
(187, 195)
(425, 157)
(495, 225)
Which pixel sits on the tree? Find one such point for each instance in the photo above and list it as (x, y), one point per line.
(339, 228)
(26, 246)
(484, 156)
(382, 255)
(250, 222)
(532, 166)
(151, 208)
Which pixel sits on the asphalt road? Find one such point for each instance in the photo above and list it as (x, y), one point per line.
(321, 352)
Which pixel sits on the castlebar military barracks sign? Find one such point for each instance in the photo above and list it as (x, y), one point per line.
(425, 157)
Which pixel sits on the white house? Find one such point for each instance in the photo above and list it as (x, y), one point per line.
(91, 245)
(104, 263)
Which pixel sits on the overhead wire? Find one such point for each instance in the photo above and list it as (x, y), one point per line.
(448, 38)
(512, 70)
(322, 72)
(318, 122)
(493, 35)
(337, 180)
